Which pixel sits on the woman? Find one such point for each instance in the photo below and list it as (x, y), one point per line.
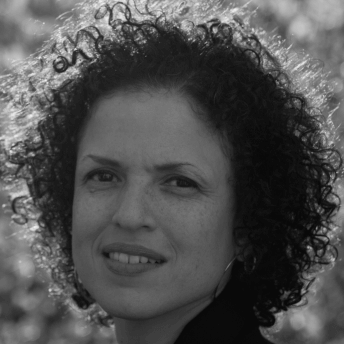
(180, 172)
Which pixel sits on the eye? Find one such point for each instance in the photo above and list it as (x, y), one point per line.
(183, 182)
(101, 176)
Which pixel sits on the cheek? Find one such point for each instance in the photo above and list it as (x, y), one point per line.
(87, 220)
(199, 233)
(212, 236)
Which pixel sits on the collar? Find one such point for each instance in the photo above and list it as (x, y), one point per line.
(228, 319)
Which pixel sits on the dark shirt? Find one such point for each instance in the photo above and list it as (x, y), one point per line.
(229, 319)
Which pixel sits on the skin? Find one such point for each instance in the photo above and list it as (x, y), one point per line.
(189, 221)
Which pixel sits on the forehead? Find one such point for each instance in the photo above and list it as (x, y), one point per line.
(150, 127)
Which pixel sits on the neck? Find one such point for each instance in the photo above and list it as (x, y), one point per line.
(164, 329)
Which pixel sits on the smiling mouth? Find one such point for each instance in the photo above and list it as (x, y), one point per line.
(131, 259)
(131, 255)
(125, 265)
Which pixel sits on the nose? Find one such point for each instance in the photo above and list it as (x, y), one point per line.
(132, 208)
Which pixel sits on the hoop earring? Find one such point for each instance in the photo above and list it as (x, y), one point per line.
(81, 297)
(250, 266)
(229, 264)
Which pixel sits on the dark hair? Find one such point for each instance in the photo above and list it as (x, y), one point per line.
(253, 92)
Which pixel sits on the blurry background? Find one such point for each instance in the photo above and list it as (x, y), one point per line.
(28, 315)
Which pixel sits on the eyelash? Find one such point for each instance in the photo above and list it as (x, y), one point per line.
(90, 176)
(191, 183)
(98, 173)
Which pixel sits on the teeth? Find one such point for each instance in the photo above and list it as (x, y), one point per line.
(143, 260)
(153, 261)
(114, 255)
(125, 258)
(134, 259)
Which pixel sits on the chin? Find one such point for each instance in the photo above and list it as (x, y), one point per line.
(133, 312)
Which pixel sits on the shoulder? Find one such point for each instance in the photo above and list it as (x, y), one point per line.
(253, 336)
(230, 318)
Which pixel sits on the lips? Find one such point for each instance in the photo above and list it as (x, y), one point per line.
(133, 250)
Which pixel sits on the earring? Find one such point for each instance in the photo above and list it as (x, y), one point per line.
(250, 266)
(229, 264)
(82, 297)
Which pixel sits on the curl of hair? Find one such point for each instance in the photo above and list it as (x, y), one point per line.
(254, 93)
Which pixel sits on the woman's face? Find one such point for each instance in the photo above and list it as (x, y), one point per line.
(150, 174)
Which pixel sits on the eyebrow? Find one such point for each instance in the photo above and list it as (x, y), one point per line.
(166, 167)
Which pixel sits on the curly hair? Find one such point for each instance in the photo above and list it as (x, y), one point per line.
(267, 102)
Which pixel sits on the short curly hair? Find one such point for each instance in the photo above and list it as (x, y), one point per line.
(267, 102)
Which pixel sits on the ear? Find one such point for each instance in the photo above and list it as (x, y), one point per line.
(239, 257)
(240, 240)
(243, 250)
